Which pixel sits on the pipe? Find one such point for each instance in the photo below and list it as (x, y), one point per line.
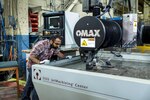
(62, 4)
(72, 5)
(137, 4)
(110, 3)
(129, 4)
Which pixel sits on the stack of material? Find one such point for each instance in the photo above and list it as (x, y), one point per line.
(8, 91)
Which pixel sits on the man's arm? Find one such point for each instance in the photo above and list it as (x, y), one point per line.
(34, 59)
(61, 55)
(37, 49)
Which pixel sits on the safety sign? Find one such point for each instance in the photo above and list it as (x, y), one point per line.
(87, 42)
(84, 43)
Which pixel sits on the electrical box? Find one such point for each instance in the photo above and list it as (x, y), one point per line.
(129, 30)
(61, 23)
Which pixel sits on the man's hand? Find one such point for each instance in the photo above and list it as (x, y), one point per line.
(45, 62)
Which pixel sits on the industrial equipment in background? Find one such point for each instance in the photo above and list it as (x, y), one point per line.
(8, 43)
(8, 47)
(145, 34)
(62, 23)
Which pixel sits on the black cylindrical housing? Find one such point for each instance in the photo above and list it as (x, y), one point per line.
(91, 33)
(113, 33)
(145, 34)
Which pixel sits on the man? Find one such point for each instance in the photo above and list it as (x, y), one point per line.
(40, 54)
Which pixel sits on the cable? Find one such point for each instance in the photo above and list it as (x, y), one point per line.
(110, 15)
(102, 13)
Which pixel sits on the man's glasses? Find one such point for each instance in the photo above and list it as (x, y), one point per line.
(57, 43)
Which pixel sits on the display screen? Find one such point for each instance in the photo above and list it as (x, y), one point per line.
(54, 22)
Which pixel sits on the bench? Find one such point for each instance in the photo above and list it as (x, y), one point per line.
(8, 66)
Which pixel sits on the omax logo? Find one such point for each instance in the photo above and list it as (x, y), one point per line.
(88, 33)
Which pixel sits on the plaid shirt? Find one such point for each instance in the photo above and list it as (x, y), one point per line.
(42, 51)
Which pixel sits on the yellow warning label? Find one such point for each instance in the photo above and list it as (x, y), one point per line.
(84, 43)
(135, 24)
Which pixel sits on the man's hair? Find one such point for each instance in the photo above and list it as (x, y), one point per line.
(55, 36)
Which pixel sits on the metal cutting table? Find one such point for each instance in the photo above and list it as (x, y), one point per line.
(67, 79)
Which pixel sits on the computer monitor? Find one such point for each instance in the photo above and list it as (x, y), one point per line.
(54, 22)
